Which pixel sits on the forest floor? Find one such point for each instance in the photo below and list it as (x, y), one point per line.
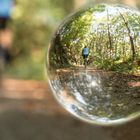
(28, 111)
(117, 93)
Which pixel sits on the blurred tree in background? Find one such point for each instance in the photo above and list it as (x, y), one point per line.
(33, 23)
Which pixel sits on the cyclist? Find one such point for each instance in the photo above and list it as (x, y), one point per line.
(85, 53)
(5, 13)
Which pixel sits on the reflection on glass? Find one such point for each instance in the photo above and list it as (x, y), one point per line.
(93, 64)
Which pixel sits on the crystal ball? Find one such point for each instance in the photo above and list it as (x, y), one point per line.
(93, 64)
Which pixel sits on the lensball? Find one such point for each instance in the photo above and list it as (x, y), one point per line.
(93, 64)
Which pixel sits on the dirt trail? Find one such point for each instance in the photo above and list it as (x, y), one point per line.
(29, 112)
(108, 93)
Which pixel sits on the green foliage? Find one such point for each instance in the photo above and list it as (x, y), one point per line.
(70, 38)
(110, 32)
(33, 23)
(27, 67)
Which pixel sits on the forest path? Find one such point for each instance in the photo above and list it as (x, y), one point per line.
(28, 111)
(120, 92)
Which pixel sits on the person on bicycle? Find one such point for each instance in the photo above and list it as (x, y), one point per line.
(85, 52)
(5, 12)
(5, 33)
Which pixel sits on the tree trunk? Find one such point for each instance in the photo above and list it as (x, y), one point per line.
(109, 35)
(130, 37)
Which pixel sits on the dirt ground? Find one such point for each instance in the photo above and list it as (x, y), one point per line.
(29, 112)
(108, 94)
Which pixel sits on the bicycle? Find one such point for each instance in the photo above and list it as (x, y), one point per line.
(85, 63)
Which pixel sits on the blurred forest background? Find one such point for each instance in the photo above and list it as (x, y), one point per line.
(33, 24)
(27, 109)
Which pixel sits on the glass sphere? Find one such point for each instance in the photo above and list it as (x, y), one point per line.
(93, 64)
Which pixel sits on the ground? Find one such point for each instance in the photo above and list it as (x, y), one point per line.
(106, 93)
(28, 111)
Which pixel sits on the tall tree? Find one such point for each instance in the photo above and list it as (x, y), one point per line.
(130, 36)
(109, 34)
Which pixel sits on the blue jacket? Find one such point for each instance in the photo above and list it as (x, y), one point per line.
(5, 8)
(85, 51)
